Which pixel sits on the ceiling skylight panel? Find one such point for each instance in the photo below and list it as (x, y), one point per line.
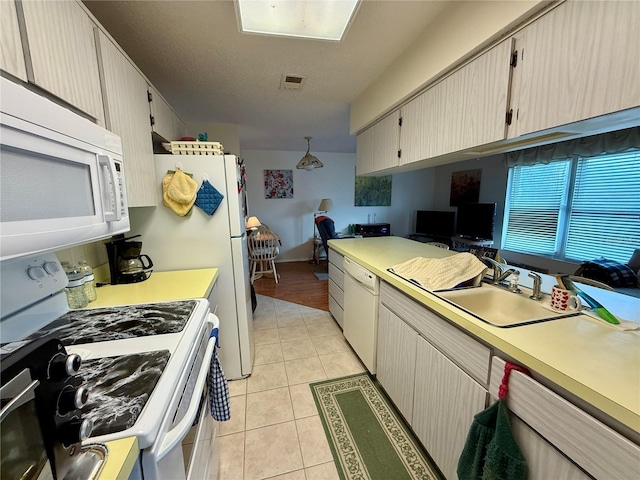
(317, 19)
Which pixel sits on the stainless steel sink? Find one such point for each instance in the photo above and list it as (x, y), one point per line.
(88, 463)
(500, 307)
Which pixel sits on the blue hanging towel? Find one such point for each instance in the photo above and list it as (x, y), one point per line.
(208, 198)
(218, 391)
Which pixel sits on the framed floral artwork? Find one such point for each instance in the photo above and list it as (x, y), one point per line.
(465, 187)
(278, 184)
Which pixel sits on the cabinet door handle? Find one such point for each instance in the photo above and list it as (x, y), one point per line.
(509, 116)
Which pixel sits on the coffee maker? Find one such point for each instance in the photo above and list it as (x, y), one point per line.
(126, 264)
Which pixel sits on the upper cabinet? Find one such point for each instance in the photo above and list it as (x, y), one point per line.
(377, 147)
(561, 75)
(62, 49)
(11, 55)
(578, 61)
(127, 107)
(465, 109)
(164, 121)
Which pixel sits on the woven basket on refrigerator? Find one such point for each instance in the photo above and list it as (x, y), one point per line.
(195, 148)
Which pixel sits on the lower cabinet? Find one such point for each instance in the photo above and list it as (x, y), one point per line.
(336, 286)
(545, 424)
(445, 401)
(437, 398)
(439, 378)
(396, 364)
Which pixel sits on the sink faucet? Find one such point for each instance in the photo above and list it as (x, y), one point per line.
(499, 272)
(537, 282)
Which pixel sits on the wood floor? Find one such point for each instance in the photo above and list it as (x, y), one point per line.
(297, 284)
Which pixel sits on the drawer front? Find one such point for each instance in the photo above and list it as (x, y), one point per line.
(337, 293)
(467, 353)
(336, 275)
(335, 258)
(599, 450)
(337, 311)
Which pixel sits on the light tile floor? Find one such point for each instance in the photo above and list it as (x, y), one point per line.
(275, 431)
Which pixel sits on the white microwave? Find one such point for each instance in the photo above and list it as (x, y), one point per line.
(61, 176)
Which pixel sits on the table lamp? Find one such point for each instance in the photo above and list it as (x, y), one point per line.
(252, 223)
(325, 205)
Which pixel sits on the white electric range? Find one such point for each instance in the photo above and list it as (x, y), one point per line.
(145, 366)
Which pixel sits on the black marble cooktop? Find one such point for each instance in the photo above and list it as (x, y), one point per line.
(115, 323)
(119, 388)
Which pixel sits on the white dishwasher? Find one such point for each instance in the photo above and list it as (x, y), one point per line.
(361, 291)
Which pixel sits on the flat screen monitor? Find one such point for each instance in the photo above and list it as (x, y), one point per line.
(436, 224)
(476, 220)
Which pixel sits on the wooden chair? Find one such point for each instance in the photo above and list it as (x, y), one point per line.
(264, 247)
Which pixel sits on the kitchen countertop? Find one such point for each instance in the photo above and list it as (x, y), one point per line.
(120, 460)
(160, 287)
(584, 356)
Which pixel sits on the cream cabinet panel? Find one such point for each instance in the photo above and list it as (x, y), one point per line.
(11, 54)
(377, 147)
(364, 152)
(336, 286)
(445, 401)
(396, 361)
(596, 448)
(466, 109)
(63, 53)
(165, 122)
(128, 116)
(543, 461)
(472, 356)
(578, 61)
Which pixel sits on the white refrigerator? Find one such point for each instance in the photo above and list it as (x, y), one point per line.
(202, 241)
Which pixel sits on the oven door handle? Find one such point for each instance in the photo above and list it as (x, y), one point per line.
(177, 433)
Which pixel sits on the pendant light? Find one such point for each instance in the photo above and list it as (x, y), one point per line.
(309, 162)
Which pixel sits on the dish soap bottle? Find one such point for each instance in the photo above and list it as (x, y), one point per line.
(76, 297)
(89, 281)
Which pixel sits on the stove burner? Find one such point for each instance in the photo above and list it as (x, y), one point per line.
(119, 388)
(115, 323)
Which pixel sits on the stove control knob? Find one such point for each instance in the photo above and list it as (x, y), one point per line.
(51, 267)
(75, 431)
(36, 273)
(71, 399)
(62, 366)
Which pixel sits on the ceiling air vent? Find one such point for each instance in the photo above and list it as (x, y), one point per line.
(292, 82)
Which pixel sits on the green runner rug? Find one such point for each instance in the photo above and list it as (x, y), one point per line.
(368, 439)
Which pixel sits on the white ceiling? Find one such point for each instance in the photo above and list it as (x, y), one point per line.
(194, 54)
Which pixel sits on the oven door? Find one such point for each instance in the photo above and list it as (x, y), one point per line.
(165, 459)
(22, 445)
(199, 446)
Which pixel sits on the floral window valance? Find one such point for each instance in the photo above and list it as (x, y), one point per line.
(592, 146)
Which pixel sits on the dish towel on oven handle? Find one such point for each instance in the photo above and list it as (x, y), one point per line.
(217, 387)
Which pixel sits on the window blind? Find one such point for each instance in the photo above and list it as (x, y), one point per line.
(605, 210)
(592, 213)
(535, 199)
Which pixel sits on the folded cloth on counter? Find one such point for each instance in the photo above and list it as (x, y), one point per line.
(208, 198)
(440, 273)
(179, 191)
(218, 391)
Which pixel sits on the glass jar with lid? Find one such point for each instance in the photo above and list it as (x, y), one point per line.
(76, 298)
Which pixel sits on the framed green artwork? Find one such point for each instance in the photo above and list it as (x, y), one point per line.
(373, 191)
